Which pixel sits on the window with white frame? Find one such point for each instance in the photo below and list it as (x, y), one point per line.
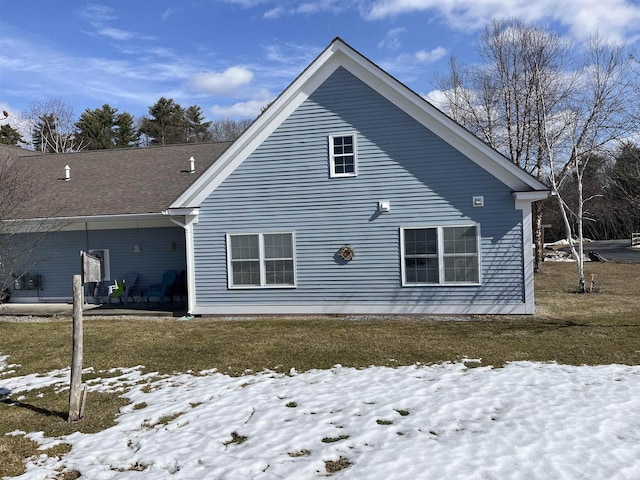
(343, 155)
(261, 260)
(440, 255)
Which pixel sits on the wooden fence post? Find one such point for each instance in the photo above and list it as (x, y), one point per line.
(76, 407)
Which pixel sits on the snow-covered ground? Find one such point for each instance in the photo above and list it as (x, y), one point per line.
(450, 421)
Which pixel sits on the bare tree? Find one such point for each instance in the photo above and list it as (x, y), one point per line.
(597, 117)
(52, 124)
(227, 129)
(19, 237)
(499, 100)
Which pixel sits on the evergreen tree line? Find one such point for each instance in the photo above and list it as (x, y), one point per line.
(55, 130)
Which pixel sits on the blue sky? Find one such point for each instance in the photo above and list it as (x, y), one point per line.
(233, 56)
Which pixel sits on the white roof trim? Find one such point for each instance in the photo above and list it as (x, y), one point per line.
(339, 54)
(531, 196)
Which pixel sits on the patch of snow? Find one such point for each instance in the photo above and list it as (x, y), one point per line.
(526, 420)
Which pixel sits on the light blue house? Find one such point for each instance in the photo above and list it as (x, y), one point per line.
(349, 194)
(352, 194)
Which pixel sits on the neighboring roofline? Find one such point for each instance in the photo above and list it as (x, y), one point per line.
(338, 54)
(91, 222)
(85, 218)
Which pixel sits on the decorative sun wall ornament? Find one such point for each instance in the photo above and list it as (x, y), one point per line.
(346, 253)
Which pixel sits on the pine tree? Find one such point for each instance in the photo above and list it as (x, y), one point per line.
(95, 128)
(198, 131)
(126, 134)
(9, 135)
(166, 124)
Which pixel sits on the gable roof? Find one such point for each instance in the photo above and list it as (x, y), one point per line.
(124, 181)
(339, 54)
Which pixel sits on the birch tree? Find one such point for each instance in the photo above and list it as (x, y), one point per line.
(597, 117)
(499, 99)
(52, 124)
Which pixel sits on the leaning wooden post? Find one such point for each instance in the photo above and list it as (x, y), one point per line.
(75, 394)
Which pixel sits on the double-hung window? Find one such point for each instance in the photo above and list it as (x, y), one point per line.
(343, 155)
(261, 260)
(440, 255)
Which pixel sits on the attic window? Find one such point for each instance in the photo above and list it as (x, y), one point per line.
(343, 155)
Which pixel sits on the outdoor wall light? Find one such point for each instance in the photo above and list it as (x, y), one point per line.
(384, 206)
(137, 248)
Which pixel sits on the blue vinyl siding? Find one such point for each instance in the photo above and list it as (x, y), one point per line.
(58, 257)
(285, 185)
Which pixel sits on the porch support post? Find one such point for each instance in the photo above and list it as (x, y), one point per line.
(523, 202)
(190, 217)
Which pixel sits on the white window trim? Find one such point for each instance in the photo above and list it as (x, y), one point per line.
(440, 238)
(261, 259)
(332, 160)
(106, 264)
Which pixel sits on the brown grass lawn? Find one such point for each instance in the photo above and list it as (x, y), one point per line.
(597, 328)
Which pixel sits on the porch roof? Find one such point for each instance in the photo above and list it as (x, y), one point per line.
(109, 182)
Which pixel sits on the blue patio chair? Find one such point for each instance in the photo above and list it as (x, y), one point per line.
(129, 282)
(162, 289)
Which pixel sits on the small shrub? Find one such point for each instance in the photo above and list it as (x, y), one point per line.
(292, 404)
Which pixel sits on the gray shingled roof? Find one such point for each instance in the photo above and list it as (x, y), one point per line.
(113, 182)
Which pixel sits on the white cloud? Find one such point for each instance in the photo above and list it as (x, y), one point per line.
(247, 109)
(305, 8)
(115, 34)
(275, 13)
(431, 56)
(225, 83)
(438, 98)
(166, 14)
(614, 20)
(95, 13)
(423, 56)
(392, 39)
